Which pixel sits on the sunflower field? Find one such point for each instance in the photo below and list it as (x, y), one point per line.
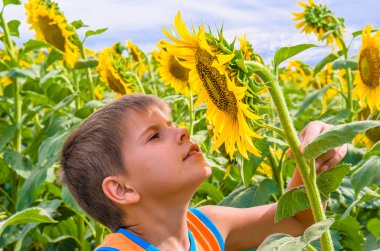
(244, 113)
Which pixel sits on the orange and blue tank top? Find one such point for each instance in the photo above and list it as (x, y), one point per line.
(203, 236)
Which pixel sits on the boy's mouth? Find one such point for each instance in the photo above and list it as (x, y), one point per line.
(194, 149)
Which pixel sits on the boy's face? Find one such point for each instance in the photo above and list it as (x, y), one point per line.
(159, 158)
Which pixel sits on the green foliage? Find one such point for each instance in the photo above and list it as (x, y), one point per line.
(337, 136)
(349, 229)
(285, 242)
(287, 52)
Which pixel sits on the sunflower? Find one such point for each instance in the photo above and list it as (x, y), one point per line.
(367, 78)
(319, 20)
(298, 73)
(137, 58)
(246, 48)
(110, 69)
(209, 71)
(171, 71)
(51, 26)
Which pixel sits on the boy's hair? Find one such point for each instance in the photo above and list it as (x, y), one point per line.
(93, 152)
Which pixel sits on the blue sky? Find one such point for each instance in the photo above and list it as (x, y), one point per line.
(267, 24)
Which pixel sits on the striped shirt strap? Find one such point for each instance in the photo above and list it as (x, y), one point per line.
(205, 233)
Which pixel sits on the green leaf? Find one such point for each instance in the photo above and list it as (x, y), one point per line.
(22, 73)
(287, 52)
(19, 163)
(248, 167)
(315, 231)
(291, 202)
(32, 45)
(328, 59)
(311, 97)
(29, 189)
(54, 56)
(15, 2)
(251, 196)
(88, 63)
(330, 180)
(337, 136)
(7, 135)
(49, 150)
(215, 194)
(34, 214)
(364, 176)
(373, 225)
(344, 64)
(94, 32)
(13, 28)
(368, 195)
(38, 99)
(352, 237)
(281, 242)
(77, 24)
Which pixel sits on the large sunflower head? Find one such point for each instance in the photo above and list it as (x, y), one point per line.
(213, 69)
(321, 21)
(367, 78)
(111, 70)
(171, 71)
(50, 25)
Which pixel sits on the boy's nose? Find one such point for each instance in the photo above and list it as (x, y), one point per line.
(182, 135)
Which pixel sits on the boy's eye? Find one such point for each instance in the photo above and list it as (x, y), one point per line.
(154, 136)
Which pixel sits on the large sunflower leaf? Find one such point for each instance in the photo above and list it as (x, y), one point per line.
(344, 64)
(35, 214)
(287, 52)
(285, 242)
(330, 180)
(337, 136)
(291, 202)
(367, 172)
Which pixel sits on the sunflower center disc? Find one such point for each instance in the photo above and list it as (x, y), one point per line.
(177, 70)
(52, 33)
(215, 84)
(369, 66)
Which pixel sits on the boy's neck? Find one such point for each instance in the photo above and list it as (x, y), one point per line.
(164, 227)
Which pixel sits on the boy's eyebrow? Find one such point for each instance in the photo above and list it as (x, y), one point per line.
(155, 127)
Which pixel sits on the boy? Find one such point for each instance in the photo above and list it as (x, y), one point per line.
(133, 170)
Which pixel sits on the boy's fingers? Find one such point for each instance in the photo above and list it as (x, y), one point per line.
(311, 131)
(331, 158)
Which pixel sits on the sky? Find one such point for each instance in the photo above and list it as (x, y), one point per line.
(268, 24)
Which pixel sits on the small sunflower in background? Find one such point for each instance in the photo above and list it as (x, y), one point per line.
(367, 78)
(321, 21)
(171, 71)
(220, 88)
(246, 49)
(111, 70)
(50, 25)
(137, 57)
(299, 73)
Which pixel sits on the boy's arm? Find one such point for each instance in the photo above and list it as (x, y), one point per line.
(244, 228)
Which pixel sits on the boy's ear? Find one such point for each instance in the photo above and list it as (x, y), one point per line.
(118, 190)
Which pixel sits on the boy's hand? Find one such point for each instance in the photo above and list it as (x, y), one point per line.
(327, 160)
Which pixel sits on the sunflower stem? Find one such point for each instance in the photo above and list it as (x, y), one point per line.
(292, 139)
(17, 97)
(88, 73)
(140, 84)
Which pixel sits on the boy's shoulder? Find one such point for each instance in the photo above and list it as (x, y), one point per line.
(118, 242)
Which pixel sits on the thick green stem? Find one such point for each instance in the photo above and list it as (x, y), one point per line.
(88, 74)
(17, 97)
(292, 139)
